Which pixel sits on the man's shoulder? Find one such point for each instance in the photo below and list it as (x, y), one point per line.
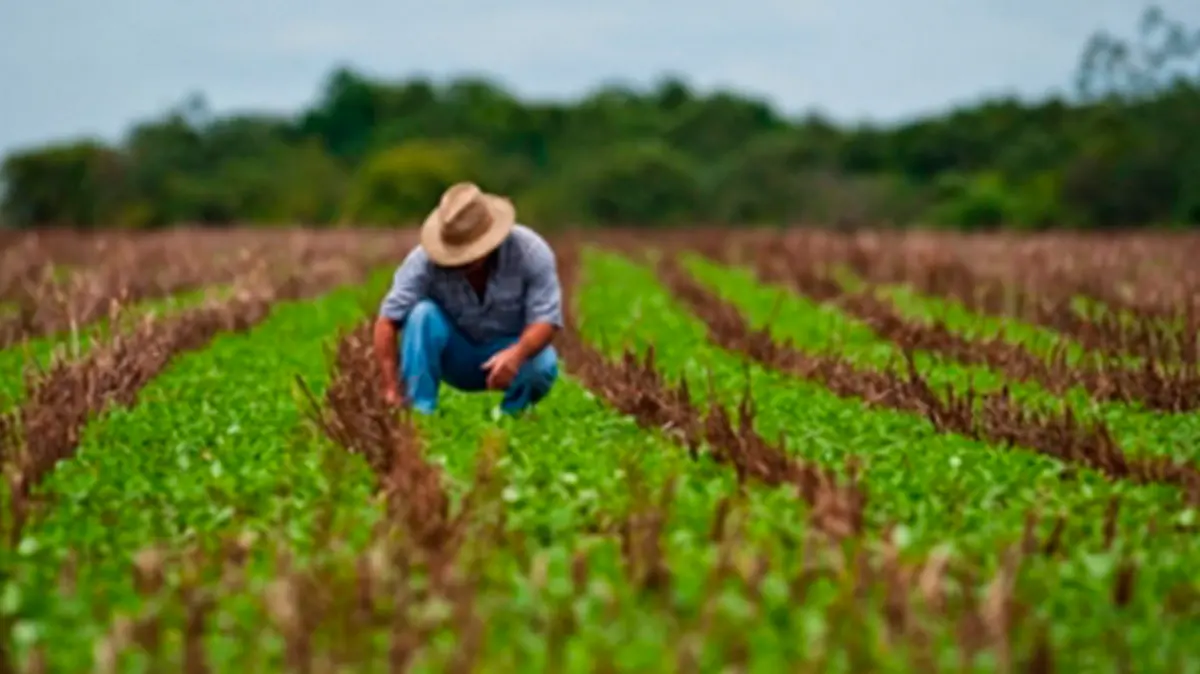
(529, 244)
(525, 234)
(415, 263)
(416, 257)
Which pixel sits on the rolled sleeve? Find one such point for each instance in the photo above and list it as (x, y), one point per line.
(543, 297)
(409, 285)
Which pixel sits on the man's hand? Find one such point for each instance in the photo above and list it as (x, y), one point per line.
(384, 343)
(503, 366)
(392, 396)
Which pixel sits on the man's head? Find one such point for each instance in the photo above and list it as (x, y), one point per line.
(466, 227)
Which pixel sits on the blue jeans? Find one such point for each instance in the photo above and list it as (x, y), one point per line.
(432, 350)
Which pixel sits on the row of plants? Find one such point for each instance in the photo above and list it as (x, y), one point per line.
(822, 328)
(33, 356)
(943, 489)
(214, 443)
(624, 522)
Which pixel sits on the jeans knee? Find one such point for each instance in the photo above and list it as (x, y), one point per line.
(544, 367)
(534, 381)
(426, 330)
(425, 313)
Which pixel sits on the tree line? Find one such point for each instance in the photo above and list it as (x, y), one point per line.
(1121, 152)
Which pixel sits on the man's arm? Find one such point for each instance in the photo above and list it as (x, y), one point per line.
(409, 285)
(543, 317)
(385, 354)
(543, 301)
(534, 338)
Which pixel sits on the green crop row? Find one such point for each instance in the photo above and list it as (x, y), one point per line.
(566, 470)
(39, 352)
(943, 490)
(822, 328)
(215, 443)
(958, 318)
(1094, 309)
(1038, 339)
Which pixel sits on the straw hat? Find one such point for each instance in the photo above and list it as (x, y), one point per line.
(467, 224)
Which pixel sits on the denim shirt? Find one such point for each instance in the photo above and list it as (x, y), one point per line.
(523, 288)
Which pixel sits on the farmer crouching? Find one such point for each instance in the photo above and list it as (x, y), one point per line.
(478, 302)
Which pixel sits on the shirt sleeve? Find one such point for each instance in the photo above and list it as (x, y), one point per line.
(543, 295)
(410, 284)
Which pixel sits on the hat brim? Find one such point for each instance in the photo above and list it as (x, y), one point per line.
(503, 218)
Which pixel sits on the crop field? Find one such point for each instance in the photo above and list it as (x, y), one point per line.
(767, 450)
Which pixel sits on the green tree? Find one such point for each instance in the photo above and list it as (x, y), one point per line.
(401, 185)
(981, 201)
(639, 183)
(76, 184)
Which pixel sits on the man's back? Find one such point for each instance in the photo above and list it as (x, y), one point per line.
(522, 288)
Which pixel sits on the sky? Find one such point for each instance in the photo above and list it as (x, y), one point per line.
(75, 68)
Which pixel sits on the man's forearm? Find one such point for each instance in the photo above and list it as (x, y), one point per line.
(385, 349)
(534, 338)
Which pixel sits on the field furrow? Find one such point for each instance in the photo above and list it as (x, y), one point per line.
(273, 594)
(760, 464)
(991, 416)
(49, 305)
(1104, 333)
(576, 473)
(31, 358)
(172, 263)
(634, 387)
(939, 487)
(1151, 384)
(568, 459)
(1042, 283)
(1167, 437)
(212, 444)
(572, 521)
(358, 419)
(581, 477)
(920, 323)
(617, 600)
(29, 258)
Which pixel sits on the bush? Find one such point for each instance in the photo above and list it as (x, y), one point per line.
(639, 183)
(973, 202)
(401, 185)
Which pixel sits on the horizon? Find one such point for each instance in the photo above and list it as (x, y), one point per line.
(244, 60)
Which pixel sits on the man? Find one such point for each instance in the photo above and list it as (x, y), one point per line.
(479, 302)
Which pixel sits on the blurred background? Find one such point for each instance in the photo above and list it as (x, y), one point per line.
(1020, 114)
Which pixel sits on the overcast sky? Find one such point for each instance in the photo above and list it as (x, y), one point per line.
(76, 67)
